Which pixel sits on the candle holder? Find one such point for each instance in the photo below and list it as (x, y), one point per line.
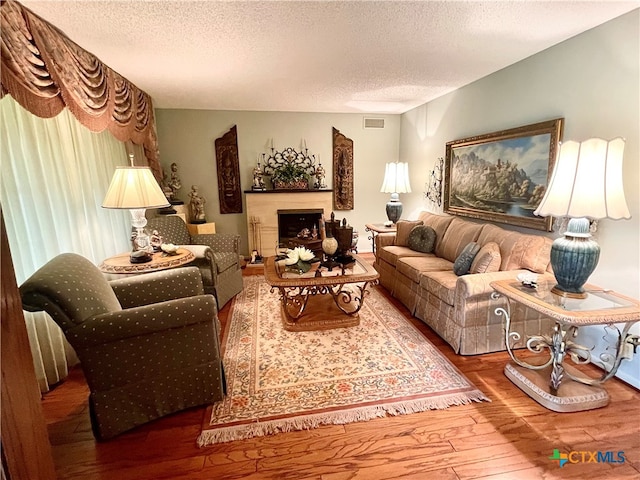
(289, 169)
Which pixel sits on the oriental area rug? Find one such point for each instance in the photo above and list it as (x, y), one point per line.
(279, 381)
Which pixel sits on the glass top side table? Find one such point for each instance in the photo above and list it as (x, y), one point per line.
(551, 383)
(377, 228)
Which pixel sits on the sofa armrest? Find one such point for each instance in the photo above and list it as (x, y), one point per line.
(156, 287)
(218, 242)
(145, 320)
(200, 251)
(384, 240)
(469, 286)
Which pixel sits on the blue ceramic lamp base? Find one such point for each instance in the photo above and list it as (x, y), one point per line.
(574, 258)
(394, 208)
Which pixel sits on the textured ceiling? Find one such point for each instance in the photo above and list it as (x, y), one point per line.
(318, 56)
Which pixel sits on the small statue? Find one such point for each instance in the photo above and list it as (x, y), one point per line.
(196, 206)
(258, 183)
(319, 174)
(166, 189)
(156, 240)
(168, 193)
(175, 185)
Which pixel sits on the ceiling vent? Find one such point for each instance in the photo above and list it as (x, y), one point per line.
(373, 122)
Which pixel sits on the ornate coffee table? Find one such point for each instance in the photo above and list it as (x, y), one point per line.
(320, 299)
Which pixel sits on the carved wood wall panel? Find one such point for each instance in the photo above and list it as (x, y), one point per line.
(228, 164)
(342, 171)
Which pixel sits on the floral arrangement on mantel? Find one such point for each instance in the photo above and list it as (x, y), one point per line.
(290, 176)
(289, 169)
(299, 259)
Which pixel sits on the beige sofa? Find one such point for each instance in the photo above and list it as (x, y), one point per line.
(460, 308)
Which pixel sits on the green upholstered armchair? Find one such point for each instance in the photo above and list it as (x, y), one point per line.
(149, 345)
(217, 255)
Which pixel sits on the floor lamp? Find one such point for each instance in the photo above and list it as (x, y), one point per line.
(396, 180)
(586, 184)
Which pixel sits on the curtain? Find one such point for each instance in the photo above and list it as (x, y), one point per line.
(45, 71)
(55, 173)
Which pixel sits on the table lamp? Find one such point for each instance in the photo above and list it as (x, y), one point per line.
(396, 180)
(586, 184)
(135, 189)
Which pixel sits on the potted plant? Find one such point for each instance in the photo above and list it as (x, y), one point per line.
(290, 176)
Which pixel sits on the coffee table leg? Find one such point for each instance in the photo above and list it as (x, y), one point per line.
(294, 301)
(342, 297)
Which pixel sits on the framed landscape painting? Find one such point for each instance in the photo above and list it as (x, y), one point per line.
(502, 176)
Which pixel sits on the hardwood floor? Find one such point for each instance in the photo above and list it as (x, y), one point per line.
(511, 437)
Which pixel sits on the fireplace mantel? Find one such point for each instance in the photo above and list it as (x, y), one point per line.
(262, 192)
(262, 213)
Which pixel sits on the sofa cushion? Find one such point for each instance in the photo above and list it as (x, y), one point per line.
(422, 238)
(392, 253)
(458, 234)
(525, 251)
(439, 223)
(463, 262)
(403, 229)
(440, 284)
(518, 250)
(413, 267)
(487, 260)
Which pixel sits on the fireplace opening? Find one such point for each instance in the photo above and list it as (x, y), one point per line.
(292, 221)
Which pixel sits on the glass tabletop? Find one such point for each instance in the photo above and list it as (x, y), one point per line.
(317, 270)
(277, 275)
(596, 299)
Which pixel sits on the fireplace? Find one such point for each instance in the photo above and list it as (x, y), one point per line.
(293, 221)
(262, 214)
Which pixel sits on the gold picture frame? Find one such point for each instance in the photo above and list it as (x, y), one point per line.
(502, 176)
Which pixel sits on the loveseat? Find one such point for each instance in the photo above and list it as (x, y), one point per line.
(459, 307)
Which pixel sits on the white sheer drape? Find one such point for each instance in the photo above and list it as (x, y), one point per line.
(55, 173)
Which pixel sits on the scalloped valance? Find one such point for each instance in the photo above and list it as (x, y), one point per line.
(45, 71)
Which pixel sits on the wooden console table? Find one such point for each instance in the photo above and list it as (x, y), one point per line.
(120, 263)
(550, 382)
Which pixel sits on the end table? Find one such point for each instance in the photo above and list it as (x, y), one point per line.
(550, 382)
(120, 263)
(376, 229)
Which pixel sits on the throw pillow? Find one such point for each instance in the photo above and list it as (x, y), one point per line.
(487, 260)
(403, 229)
(463, 263)
(422, 238)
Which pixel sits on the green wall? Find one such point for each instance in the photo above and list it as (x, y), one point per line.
(187, 138)
(593, 82)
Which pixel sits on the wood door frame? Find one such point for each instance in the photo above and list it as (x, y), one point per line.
(26, 451)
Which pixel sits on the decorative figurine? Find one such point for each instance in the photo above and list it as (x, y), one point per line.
(196, 206)
(258, 183)
(319, 174)
(175, 184)
(156, 240)
(168, 193)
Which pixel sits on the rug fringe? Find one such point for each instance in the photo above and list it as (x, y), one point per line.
(341, 417)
